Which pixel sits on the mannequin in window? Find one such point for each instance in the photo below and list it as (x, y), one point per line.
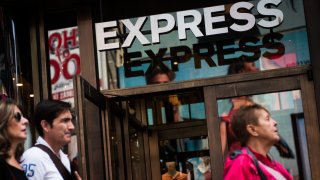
(205, 168)
(172, 173)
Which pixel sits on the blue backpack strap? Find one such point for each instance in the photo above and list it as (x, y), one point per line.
(261, 174)
(235, 154)
(238, 152)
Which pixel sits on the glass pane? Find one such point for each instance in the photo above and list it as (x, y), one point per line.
(64, 54)
(188, 157)
(115, 147)
(137, 154)
(286, 109)
(193, 43)
(94, 131)
(175, 108)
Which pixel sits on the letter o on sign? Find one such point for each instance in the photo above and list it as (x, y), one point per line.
(67, 67)
(56, 70)
(55, 41)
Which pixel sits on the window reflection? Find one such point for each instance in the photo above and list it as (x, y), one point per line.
(283, 107)
(136, 156)
(195, 57)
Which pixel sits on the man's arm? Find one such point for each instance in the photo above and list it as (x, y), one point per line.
(33, 164)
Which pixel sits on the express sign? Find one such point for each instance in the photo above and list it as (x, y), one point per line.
(209, 16)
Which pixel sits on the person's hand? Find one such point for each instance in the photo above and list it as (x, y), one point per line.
(77, 175)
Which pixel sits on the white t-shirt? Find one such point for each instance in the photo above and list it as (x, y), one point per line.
(274, 173)
(38, 165)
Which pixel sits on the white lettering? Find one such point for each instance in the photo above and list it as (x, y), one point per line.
(134, 32)
(189, 21)
(261, 7)
(193, 25)
(209, 20)
(156, 30)
(101, 35)
(242, 16)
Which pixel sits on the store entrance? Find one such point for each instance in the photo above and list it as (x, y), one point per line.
(162, 128)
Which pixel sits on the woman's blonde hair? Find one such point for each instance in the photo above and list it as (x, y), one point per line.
(6, 114)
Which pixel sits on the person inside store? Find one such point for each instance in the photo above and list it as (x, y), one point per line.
(228, 139)
(159, 73)
(46, 160)
(13, 133)
(172, 173)
(257, 133)
(242, 67)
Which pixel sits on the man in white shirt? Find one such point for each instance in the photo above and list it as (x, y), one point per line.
(53, 121)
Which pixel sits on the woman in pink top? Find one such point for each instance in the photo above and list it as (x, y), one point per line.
(257, 132)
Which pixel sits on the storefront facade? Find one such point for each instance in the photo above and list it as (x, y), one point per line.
(104, 59)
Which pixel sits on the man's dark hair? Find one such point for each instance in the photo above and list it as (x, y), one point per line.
(236, 67)
(158, 68)
(48, 110)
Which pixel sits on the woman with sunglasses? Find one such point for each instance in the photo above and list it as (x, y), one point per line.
(13, 133)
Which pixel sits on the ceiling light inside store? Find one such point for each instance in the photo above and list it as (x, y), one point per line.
(31, 95)
(19, 84)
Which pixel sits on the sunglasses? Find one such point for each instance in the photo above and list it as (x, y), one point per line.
(18, 116)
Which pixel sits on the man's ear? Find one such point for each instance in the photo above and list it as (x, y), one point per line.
(45, 125)
(252, 130)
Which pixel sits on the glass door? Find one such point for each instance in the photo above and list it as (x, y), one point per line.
(178, 135)
(290, 101)
(165, 132)
(92, 134)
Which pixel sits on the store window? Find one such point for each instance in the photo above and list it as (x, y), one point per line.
(64, 63)
(187, 157)
(64, 54)
(202, 42)
(175, 108)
